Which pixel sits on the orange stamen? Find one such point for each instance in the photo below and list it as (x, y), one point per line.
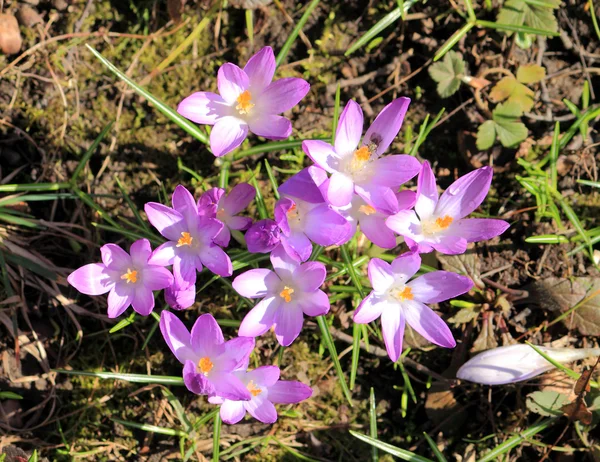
(406, 294)
(367, 209)
(244, 103)
(253, 389)
(185, 239)
(443, 223)
(205, 365)
(130, 276)
(363, 154)
(286, 294)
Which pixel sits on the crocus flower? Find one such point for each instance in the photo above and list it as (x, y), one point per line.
(180, 298)
(360, 169)
(209, 361)
(515, 363)
(399, 301)
(440, 224)
(247, 101)
(263, 236)
(129, 279)
(372, 221)
(190, 239)
(215, 204)
(303, 215)
(266, 389)
(288, 293)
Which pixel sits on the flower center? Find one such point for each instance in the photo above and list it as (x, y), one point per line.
(293, 212)
(253, 389)
(185, 239)
(130, 276)
(366, 209)
(404, 294)
(432, 227)
(244, 103)
(221, 214)
(205, 365)
(286, 294)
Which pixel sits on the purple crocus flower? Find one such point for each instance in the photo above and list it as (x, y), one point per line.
(303, 215)
(129, 279)
(180, 298)
(372, 221)
(399, 301)
(288, 293)
(440, 224)
(215, 204)
(263, 236)
(360, 169)
(209, 361)
(191, 239)
(248, 100)
(266, 389)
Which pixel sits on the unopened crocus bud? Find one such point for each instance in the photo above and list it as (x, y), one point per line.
(515, 363)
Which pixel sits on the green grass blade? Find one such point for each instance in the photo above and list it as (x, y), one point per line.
(131, 205)
(336, 112)
(574, 219)
(571, 373)
(453, 40)
(34, 456)
(31, 266)
(35, 187)
(134, 378)
(250, 26)
(382, 24)
(351, 270)
(270, 147)
(585, 117)
(515, 28)
(393, 450)
(162, 107)
(593, 184)
(594, 19)
(216, 437)
(272, 179)
(123, 323)
(328, 339)
(260, 202)
(9, 395)
(554, 157)
(547, 239)
(150, 428)
(285, 49)
(373, 424)
(356, 333)
(470, 10)
(425, 130)
(86, 156)
(438, 455)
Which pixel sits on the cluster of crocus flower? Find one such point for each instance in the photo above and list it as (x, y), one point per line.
(352, 185)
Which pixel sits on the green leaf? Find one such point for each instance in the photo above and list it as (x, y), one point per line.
(526, 13)
(393, 450)
(509, 128)
(530, 73)
(134, 378)
(503, 89)
(448, 73)
(513, 91)
(9, 395)
(546, 403)
(486, 135)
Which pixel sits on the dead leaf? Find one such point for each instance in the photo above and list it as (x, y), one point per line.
(28, 17)
(249, 4)
(578, 411)
(467, 264)
(487, 337)
(175, 9)
(476, 82)
(583, 382)
(10, 35)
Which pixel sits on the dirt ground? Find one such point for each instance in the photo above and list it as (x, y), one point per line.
(56, 98)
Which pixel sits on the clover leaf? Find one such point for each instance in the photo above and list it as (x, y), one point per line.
(505, 124)
(448, 73)
(513, 89)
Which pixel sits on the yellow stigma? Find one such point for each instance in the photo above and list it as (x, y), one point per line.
(130, 276)
(366, 209)
(286, 294)
(244, 103)
(443, 223)
(405, 294)
(253, 389)
(185, 239)
(205, 365)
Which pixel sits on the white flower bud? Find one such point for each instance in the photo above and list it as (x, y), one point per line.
(515, 363)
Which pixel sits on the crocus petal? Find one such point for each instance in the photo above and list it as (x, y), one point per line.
(466, 194)
(310, 276)
(450, 245)
(185, 204)
(256, 283)
(288, 323)
(305, 185)
(283, 264)
(380, 275)
(282, 95)
(209, 228)
(118, 301)
(114, 257)
(203, 107)
(393, 171)
(184, 270)
(265, 376)
(208, 201)
(228, 386)
(406, 223)
(263, 236)
(392, 327)
(232, 411)
(238, 198)
(340, 190)
(271, 127)
(216, 260)
(387, 124)
(236, 352)
(164, 255)
(438, 286)
(167, 221)
(380, 197)
(260, 318)
(479, 229)
(92, 279)
(143, 301)
(232, 81)
(282, 207)
(427, 195)
(227, 134)
(297, 245)
(349, 129)
(286, 392)
(180, 298)
(196, 382)
(156, 277)
(369, 309)
(140, 252)
(206, 335)
(325, 226)
(260, 69)
(177, 337)
(377, 232)
(240, 223)
(261, 409)
(427, 323)
(406, 199)
(321, 153)
(314, 303)
(405, 266)
(222, 239)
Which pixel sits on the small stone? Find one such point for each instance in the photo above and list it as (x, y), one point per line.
(60, 5)
(10, 35)
(28, 17)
